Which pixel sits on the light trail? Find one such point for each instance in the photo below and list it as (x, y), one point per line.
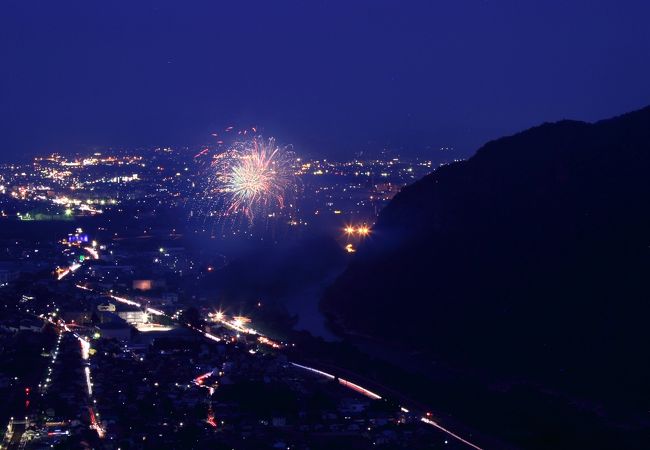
(126, 301)
(92, 252)
(85, 348)
(359, 389)
(68, 271)
(89, 384)
(85, 354)
(266, 341)
(441, 428)
(147, 327)
(342, 382)
(311, 369)
(201, 378)
(62, 274)
(373, 395)
(58, 433)
(236, 324)
(94, 424)
(212, 337)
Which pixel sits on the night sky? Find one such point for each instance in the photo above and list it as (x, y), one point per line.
(331, 77)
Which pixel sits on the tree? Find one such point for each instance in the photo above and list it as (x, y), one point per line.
(192, 316)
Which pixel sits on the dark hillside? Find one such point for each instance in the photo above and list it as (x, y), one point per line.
(531, 260)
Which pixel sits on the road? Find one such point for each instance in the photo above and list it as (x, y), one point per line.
(239, 325)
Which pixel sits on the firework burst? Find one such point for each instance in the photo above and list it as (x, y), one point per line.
(253, 179)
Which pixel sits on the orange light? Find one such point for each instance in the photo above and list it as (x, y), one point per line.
(363, 230)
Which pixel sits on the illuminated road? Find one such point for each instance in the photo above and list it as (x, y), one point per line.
(83, 342)
(426, 418)
(239, 325)
(61, 274)
(92, 252)
(93, 415)
(444, 430)
(343, 382)
(84, 345)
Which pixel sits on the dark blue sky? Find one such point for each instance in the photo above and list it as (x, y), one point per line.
(332, 77)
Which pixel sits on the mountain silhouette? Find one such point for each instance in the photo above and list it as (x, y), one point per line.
(530, 260)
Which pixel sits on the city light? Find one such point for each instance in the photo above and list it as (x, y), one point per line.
(89, 385)
(92, 251)
(85, 348)
(252, 190)
(360, 230)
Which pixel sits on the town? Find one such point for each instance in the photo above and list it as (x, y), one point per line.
(121, 347)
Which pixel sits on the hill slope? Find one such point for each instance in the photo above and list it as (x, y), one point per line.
(531, 260)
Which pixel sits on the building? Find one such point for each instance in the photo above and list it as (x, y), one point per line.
(115, 330)
(132, 315)
(106, 307)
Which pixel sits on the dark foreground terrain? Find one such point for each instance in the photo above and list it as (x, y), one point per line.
(524, 270)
